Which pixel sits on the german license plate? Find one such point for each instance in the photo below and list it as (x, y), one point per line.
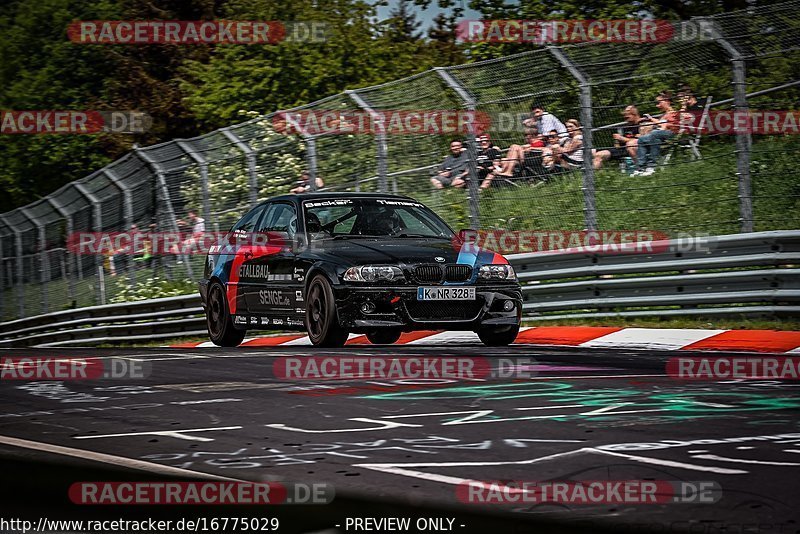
(445, 293)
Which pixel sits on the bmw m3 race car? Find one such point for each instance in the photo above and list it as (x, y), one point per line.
(339, 263)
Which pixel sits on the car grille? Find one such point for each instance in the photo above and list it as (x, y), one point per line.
(434, 274)
(457, 273)
(428, 273)
(443, 310)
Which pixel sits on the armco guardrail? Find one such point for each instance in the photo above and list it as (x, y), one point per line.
(756, 273)
(733, 274)
(113, 323)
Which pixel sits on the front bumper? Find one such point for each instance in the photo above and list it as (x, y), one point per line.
(398, 307)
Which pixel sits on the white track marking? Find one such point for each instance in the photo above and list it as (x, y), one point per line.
(651, 338)
(741, 460)
(177, 433)
(670, 463)
(448, 338)
(107, 458)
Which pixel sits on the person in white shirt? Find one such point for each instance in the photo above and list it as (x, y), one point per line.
(545, 121)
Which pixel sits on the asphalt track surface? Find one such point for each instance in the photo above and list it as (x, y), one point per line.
(579, 415)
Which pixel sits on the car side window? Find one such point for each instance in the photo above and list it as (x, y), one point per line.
(280, 217)
(248, 222)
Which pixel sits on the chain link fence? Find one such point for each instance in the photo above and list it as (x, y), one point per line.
(706, 182)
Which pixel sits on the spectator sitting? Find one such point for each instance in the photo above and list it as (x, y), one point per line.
(304, 184)
(570, 154)
(488, 160)
(517, 155)
(454, 169)
(553, 145)
(625, 140)
(649, 145)
(544, 121)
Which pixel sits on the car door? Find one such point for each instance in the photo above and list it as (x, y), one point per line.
(271, 295)
(240, 241)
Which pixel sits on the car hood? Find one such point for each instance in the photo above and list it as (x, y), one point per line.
(362, 251)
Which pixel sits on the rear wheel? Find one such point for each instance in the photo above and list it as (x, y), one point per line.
(384, 336)
(219, 320)
(322, 319)
(498, 337)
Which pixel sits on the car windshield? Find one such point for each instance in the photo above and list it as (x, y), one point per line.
(345, 218)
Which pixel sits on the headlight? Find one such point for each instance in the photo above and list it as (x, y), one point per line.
(497, 272)
(372, 273)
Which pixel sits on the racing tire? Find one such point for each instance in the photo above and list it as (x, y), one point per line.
(384, 336)
(219, 320)
(322, 319)
(498, 337)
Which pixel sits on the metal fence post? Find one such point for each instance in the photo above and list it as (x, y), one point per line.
(203, 165)
(20, 266)
(43, 267)
(67, 270)
(472, 151)
(98, 218)
(250, 158)
(127, 212)
(585, 97)
(311, 160)
(743, 139)
(161, 186)
(380, 139)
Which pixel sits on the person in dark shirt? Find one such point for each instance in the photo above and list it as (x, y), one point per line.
(625, 139)
(454, 169)
(488, 161)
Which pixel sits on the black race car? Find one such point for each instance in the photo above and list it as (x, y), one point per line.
(336, 263)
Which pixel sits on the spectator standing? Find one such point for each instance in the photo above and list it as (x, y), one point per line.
(304, 184)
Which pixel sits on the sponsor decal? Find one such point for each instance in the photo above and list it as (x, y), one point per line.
(298, 296)
(399, 203)
(264, 320)
(332, 202)
(239, 319)
(279, 277)
(293, 322)
(299, 275)
(253, 271)
(273, 298)
(277, 321)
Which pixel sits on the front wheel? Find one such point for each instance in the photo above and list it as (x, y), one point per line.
(384, 336)
(219, 320)
(322, 319)
(498, 337)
